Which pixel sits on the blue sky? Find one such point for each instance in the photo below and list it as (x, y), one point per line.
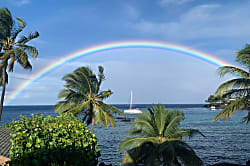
(216, 27)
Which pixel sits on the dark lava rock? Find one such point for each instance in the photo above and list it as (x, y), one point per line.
(103, 164)
(226, 164)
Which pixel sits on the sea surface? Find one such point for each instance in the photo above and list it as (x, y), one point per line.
(225, 141)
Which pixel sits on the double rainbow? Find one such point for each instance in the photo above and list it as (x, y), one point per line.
(112, 46)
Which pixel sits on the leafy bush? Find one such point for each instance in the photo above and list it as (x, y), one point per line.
(63, 140)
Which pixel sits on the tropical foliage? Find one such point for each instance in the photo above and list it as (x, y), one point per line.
(82, 96)
(13, 48)
(157, 140)
(238, 88)
(63, 140)
(215, 100)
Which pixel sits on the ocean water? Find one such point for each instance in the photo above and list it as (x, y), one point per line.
(225, 141)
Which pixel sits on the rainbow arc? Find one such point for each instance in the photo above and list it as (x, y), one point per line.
(111, 46)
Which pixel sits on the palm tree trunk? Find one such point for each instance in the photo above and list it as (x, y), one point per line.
(3, 90)
(92, 125)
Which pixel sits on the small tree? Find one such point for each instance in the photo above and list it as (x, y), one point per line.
(13, 48)
(157, 140)
(82, 95)
(237, 88)
(63, 140)
(215, 100)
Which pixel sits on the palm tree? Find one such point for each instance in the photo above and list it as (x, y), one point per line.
(13, 48)
(82, 96)
(238, 88)
(157, 140)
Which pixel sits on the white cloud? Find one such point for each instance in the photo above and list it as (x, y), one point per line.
(225, 52)
(178, 2)
(203, 21)
(38, 42)
(131, 12)
(19, 2)
(24, 2)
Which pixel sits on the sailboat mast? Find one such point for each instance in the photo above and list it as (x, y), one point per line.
(131, 95)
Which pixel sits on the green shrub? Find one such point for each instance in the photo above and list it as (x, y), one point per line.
(63, 140)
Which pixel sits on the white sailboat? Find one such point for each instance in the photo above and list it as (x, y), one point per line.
(213, 108)
(131, 110)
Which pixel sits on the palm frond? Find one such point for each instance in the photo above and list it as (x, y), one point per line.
(106, 116)
(85, 74)
(101, 77)
(177, 150)
(104, 94)
(11, 64)
(246, 119)
(67, 106)
(128, 160)
(110, 119)
(102, 115)
(236, 93)
(190, 133)
(146, 154)
(243, 83)
(6, 23)
(110, 108)
(142, 127)
(32, 51)
(73, 82)
(98, 115)
(72, 96)
(232, 84)
(21, 26)
(63, 93)
(160, 117)
(222, 71)
(130, 143)
(78, 108)
(173, 152)
(173, 123)
(22, 58)
(24, 39)
(235, 106)
(243, 56)
(63, 106)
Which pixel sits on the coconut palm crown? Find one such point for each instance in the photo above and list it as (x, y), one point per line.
(82, 96)
(237, 88)
(13, 48)
(157, 140)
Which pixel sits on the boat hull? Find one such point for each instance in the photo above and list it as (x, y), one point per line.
(132, 111)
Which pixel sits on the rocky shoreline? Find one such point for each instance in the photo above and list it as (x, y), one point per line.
(216, 106)
(228, 164)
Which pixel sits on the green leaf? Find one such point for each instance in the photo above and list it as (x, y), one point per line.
(85, 144)
(30, 138)
(38, 140)
(28, 145)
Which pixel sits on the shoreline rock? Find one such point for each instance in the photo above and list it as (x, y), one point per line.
(229, 164)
